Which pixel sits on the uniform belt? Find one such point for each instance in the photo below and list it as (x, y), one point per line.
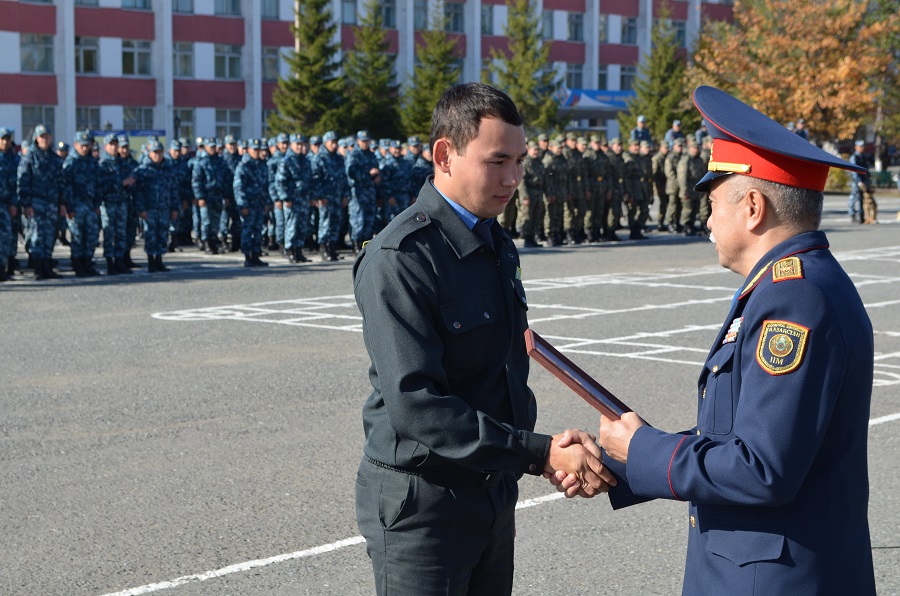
(458, 478)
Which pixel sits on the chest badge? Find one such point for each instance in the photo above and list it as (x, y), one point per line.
(732, 333)
(781, 347)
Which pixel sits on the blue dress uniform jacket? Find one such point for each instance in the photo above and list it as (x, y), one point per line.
(444, 319)
(775, 470)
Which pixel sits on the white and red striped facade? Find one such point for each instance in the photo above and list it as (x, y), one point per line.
(207, 102)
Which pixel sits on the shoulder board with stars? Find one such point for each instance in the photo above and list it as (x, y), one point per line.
(787, 268)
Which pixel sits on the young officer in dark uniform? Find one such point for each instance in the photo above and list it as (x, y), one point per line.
(775, 470)
(449, 425)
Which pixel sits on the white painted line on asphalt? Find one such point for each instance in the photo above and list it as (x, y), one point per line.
(327, 548)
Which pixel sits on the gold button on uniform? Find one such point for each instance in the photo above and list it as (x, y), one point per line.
(716, 368)
(704, 393)
(698, 432)
(693, 522)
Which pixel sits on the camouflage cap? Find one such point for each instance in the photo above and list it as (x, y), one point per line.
(219, 142)
(40, 130)
(208, 142)
(679, 142)
(342, 142)
(395, 144)
(82, 138)
(175, 145)
(558, 139)
(254, 144)
(229, 139)
(533, 145)
(241, 143)
(185, 142)
(315, 140)
(413, 141)
(330, 136)
(615, 141)
(581, 141)
(5, 132)
(363, 135)
(123, 140)
(61, 146)
(571, 136)
(646, 145)
(110, 138)
(200, 142)
(384, 143)
(270, 142)
(543, 137)
(665, 144)
(153, 146)
(282, 137)
(595, 138)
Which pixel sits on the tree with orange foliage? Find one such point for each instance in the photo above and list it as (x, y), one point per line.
(812, 59)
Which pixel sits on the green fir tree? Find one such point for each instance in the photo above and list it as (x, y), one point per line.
(660, 86)
(310, 99)
(436, 71)
(523, 72)
(372, 95)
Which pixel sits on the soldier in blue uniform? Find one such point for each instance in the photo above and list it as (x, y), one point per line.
(775, 469)
(180, 232)
(641, 132)
(331, 191)
(9, 201)
(157, 204)
(127, 165)
(422, 169)
(293, 182)
(277, 149)
(211, 181)
(81, 197)
(113, 206)
(397, 173)
(231, 217)
(40, 188)
(251, 194)
(364, 176)
(674, 133)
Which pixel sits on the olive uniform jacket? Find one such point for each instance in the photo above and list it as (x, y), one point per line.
(775, 470)
(443, 323)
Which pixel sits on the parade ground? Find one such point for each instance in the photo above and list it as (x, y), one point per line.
(198, 432)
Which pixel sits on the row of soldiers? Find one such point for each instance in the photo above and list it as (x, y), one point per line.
(283, 193)
(576, 191)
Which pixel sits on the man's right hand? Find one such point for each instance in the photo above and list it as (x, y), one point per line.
(575, 455)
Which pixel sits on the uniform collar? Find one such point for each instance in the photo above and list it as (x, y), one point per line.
(800, 243)
(457, 232)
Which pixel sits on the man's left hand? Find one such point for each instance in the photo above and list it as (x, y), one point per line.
(615, 435)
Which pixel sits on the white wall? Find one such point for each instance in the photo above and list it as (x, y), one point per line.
(110, 3)
(204, 6)
(501, 14)
(614, 31)
(115, 115)
(613, 77)
(11, 117)
(110, 57)
(286, 10)
(204, 60)
(10, 57)
(204, 122)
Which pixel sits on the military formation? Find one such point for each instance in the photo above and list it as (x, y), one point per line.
(288, 193)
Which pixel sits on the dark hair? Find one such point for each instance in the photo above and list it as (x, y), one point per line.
(459, 113)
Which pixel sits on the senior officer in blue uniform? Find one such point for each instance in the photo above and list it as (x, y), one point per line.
(775, 470)
(449, 425)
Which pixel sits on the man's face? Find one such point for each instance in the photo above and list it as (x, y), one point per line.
(254, 153)
(534, 152)
(693, 150)
(679, 148)
(484, 178)
(44, 141)
(156, 156)
(726, 223)
(175, 153)
(555, 149)
(210, 150)
(414, 149)
(4, 143)
(616, 148)
(112, 148)
(231, 147)
(595, 145)
(645, 150)
(581, 147)
(304, 148)
(570, 143)
(663, 149)
(82, 149)
(676, 127)
(640, 124)
(544, 145)
(363, 145)
(124, 151)
(395, 151)
(295, 147)
(330, 146)
(634, 147)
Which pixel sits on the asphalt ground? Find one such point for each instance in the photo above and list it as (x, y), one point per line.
(198, 432)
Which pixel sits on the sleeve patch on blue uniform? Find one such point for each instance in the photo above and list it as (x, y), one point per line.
(788, 268)
(781, 347)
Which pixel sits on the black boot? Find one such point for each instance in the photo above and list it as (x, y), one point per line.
(40, 273)
(298, 255)
(257, 262)
(90, 267)
(151, 264)
(111, 267)
(636, 234)
(121, 267)
(78, 267)
(323, 252)
(159, 265)
(248, 260)
(332, 252)
(128, 262)
(11, 266)
(49, 273)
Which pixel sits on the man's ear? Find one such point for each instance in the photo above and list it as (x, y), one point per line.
(441, 155)
(757, 209)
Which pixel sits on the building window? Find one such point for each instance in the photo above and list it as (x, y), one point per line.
(455, 21)
(183, 61)
(602, 82)
(270, 9)
(266, 114)
(271, 57)
(576, 26)
(389, 14)
(574, 76)
(629, 30)
(680, 29)
(34, 115)
(228, 61)
(184, 121)
(228, 7)
(86, 2)
(87, 118)
(137, 118)
(602, 28)
(348, 12)
(183, 6)
(627, 79)
(228, 122)
(135, 57)
(547, 24)
(487, 19)
(86, 49)
(37, 53)
(420, 15)
(142, 4)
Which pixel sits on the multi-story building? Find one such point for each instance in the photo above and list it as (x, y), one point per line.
(209, 67)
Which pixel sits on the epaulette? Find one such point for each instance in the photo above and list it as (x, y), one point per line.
(787, 268)
(415, 221)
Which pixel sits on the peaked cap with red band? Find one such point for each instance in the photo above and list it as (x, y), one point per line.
(748, 142)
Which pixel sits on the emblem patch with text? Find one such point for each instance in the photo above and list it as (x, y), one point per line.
(781, 346)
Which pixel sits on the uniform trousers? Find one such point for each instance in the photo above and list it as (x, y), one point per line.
(251, 228)
(210, 216)
(362, 216)
(296, 223)
(114, 217)
(329, 222)
(156, 236)
(85, 230)
(427, 538)
(43, 228)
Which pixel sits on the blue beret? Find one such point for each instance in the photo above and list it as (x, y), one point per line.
(5, 132)
(82, 138)
(330, 136)
(315, 140)
(746, 141)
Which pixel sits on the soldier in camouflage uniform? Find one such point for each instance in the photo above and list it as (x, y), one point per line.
(81, 197)
(690, 170)
(617, 187)
(251, 194)
(646, 161)
(597, 165)
(578, 190)
(556, 188)
(9, 201)
(293, 182)
(364, 177)
(673, 189)
(211, 182)
(531, 196)
(658, 162)
(634, 197)
(113, 206)
(127, 165)
(331, 191)
(39, 184)
(277, 150)
(422, 169)
(230, 226)
(157, 204)
(397, 172)
(180, 231)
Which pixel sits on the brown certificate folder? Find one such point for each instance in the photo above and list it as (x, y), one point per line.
(576, 379)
